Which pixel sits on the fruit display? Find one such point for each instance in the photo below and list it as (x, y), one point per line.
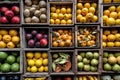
(9, 38)
(111, 1)
(109, 77)
(37, 62)
(35, 11)
(10, 15)
(38, 78)
(88, 61)
(9, 62)
(62, 38)
(61, 62)
(62, 78)
(111, 38)
(86, 37)
(36, 38)
(10, 77)
(111, 16)
(88, 77)
(86, 12)
(111, 61)
(61, 14)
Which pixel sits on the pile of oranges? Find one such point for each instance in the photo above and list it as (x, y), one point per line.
(61, 14)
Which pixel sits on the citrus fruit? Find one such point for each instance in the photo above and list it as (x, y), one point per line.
(10, 45)
(3, 55)
(3, 32)
(37, 55)
(28, 69)
(6, 38)
(60, 16)
(53, 9)
(69, 10)
(106, 32)
(45, 62)
(29, 55)
(57, 21)
(15, 67)
(46, 68)
(44, 55)
(54, 16)
(13, 32)
(63, 10)
(15, 39)
(31, 62)
(38, 63)
(63, 21)
(33, 69)
(87, 5)
(94, 5)
(79, 5)
(11, 59)
(112, 8)
(41, 69)
(5, 67)
(69, 21)
(52, 21)
(55, 44)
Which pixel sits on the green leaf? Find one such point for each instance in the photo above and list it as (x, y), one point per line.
(53, 66)
(63, 61)
(63, 55)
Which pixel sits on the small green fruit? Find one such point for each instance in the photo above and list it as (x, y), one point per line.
(105, 54)
(80, 65)
(79, 58)
(94, 62)
(107, 67)
(55, 55)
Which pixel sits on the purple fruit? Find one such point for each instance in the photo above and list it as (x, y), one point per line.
(39, 36)
(28, 36)
(37, 44)
(31, 43)
(34, 32)
(45, 36)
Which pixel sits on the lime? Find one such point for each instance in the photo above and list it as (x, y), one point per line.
(11, 59)
(15, 67)
(3, 55)
(5, 67)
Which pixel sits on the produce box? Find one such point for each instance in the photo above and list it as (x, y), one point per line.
(11, 77)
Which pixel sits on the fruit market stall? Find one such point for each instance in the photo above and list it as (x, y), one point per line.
(59, 39)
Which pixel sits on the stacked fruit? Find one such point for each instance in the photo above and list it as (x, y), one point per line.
(9, 62)
(111, 1)
(111, 61)
(111, 16)
(61, 62)
(37, 62)
(111, 38)
(87, 78)
(63, 78)
(61, 14)
(108, 77)
(9, 77)
(86, 13)
(62, 38)
(39, 78)
(9, 38)
(88, 61)
(35, 11)
(86, 37)
(37, 39)
(10, 15)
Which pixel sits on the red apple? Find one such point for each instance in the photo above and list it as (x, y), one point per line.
(3, 20)
(4, 9)
(67, 78)
(15, 9)
(43, 42)
(9, 14)
(15, 20)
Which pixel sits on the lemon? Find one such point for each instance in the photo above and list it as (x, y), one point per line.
(57, 11)
(13, 32)
(15, 39)
(53, 9)
(29, 55)
(87, 5)
(112, 9)
(34, 59)
(60, 16)
(79, 6)
(44, 55)
(57, 21)
(95, 18)
(69, 21)
(45, 62)
(33, 69)
(70, 16)
(54, 16)
(66, 16)
(38, 63)
(63, 10)
(31, 62)
(79, 11)
(46, 68)
(41, 69)
(79, 17)
(63, 21)
(52, 21)
(28, 69)
(37, 55)
(92, 10)
(69, 10)
(3, 32)
(94, 5)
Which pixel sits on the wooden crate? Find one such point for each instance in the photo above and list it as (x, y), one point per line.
(104, 7)
(97, 12)
(28, 29)
(11, 75)
(22, 15)
(71, 72)
(21, 63)
(61, 3)
(61, 0)
(109, 3)
(19, 29)
(37, 74)
(9, 2)
(57, 28)
(108, 50)
(9, 5)
(89, 72)
(98, 76)
(88, 26)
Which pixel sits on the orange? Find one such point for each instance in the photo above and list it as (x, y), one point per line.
(79, 17)
(63, 10)
(69, 21)
(112, 8)
(84, 11)
(87, 5)
(52, 21)
(60, 16)
(79, 6)
(54, 16)
(69, 10)
(111, 37)
(63, 21)
(55, 44)
(79, 11)
(53, 9)
(57, 21)
(106, 12)
(92, 10)
(62, 44)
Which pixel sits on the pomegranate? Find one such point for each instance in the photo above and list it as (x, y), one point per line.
(4, 9)
(3, 20)
(15, 20)
(15, 9)
(9, 14)
(43, 42)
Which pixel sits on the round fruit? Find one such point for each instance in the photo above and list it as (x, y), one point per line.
(11, 59)
(107, 67)
(2, 44)
(117, 44)
(92, 10)
(41, 69)
(112, 60)
(80, 65)
(55, 44)
(118, 9)
(95, 18)
(94, 62)
(54, 16)
(69, 10)
(113, 15)
(96, 55)
(79, 6)
(94, 5)
(13, 32)
(110, 21)
(55, 56)
(53, 9)
(33, 69)
(87, 5)
(106, 13)
(110, 44)
(15, 67)
(111, 37)
(60, 16)
(63, 10)
(3, 32)
(84, 11)
(3, 55)
(112, 9)
(46, 68)
(105, 54)
(93, 69)
(89, 55)
(116, 68)
(78, 11)
(5, 67)
(15, 39)
(63, 21)
(87, 67)
(117, 22)
(29, 55)
(10, 45)
(114, 31)
(6, 38)
(118, 60)
(37, 55)
(104, 37)
(31, 62)
(104, 44)
(117, 37)
(79, 17)
(38, 63)
(106, 32)
(52, 21)
(79, 58)
(44, 55)
(45, 62)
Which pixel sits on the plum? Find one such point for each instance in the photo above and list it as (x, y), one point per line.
(39, 36)
(34, 32)
(28, 36)
(31, 43)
